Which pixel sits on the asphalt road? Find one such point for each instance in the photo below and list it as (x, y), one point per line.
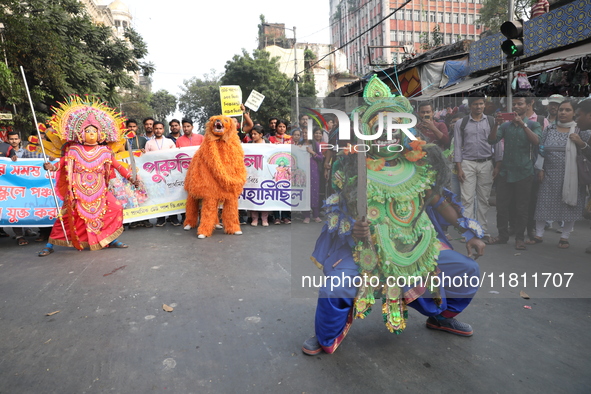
(240, 317)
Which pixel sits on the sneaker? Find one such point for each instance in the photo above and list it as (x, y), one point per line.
(311, 347)
(147, 224)
(450, 325)
(133, 225)
(219, 226)
(187, 227)
(287, 221)
(277, 221)
(160, 222)
(175, 222)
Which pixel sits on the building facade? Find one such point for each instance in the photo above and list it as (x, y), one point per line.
(403, 33)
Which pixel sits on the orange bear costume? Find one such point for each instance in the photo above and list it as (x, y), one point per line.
(216, 175)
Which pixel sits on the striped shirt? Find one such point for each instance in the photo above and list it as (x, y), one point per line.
(540, 8)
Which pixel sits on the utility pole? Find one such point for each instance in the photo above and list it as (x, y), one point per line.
(510, 63)
(295, 75)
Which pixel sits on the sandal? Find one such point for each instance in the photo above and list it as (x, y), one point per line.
(520, 245)
(534, 241)
(563, 244)
(22, 242)
(495, 241)
(45, 252)
(118, 244)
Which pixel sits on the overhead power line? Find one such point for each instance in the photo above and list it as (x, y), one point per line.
(357, 37)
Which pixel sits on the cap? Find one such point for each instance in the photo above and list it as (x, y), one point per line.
(556, 98)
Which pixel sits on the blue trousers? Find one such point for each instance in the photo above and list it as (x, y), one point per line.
(336, 297)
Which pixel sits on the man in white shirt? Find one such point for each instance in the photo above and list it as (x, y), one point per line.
(161, 143)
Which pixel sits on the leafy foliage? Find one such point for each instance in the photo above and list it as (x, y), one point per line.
(200, 98)
(163, 104)
(433, 40)
(494, 12)
(261, 72)
(135, 104)
(63, 52)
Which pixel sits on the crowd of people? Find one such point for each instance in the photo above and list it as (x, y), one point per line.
(527, 156)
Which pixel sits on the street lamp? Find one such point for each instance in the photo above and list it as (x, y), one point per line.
(295, 68)
(5, 58)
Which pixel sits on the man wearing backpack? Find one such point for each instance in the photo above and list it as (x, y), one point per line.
(473, 156)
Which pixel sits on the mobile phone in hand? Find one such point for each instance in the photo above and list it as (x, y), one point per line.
(507, 116)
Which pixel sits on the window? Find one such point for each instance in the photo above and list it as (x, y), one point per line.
(447, 39)
(408, 15)
(463, 19)
(393, 35)
(432, 16)
(117, 23)
(439, 17)
(400, 36)
(471, 19)
(455, 18)
(447, 17)
(408, 36)
(124, 24)
(416, 37)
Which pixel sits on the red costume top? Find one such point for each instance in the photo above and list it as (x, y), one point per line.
(92, 216)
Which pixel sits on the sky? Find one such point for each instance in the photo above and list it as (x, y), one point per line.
(188, 38)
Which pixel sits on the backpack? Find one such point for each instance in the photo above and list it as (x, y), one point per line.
(466, 119)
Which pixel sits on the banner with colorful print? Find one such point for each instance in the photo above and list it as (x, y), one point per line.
(278, 179)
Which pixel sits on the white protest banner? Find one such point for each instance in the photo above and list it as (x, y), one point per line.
(231, 98)
(255, 99)
(278, 178)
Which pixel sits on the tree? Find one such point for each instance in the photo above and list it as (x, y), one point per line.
(261, 73)
(163, 104)
(307, 86)
(200, 98)
(64, 52)
(494, 12)
(135, 104)
(433, 40)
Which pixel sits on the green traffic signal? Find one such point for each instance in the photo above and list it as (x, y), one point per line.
(512, 48)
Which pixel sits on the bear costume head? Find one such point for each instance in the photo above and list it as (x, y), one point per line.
(220, 127)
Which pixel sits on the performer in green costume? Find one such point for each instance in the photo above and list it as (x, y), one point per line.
(400, 253)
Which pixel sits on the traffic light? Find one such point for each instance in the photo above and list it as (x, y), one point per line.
(513, 46)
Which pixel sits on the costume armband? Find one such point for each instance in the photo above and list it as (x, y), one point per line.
(468, 235)
(471, 226)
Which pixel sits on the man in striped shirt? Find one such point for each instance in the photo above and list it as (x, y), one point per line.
(540, 8)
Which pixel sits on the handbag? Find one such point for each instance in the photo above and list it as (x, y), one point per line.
(583, 169)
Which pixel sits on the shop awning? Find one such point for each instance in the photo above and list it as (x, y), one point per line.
(466, 85)
(557, 59)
